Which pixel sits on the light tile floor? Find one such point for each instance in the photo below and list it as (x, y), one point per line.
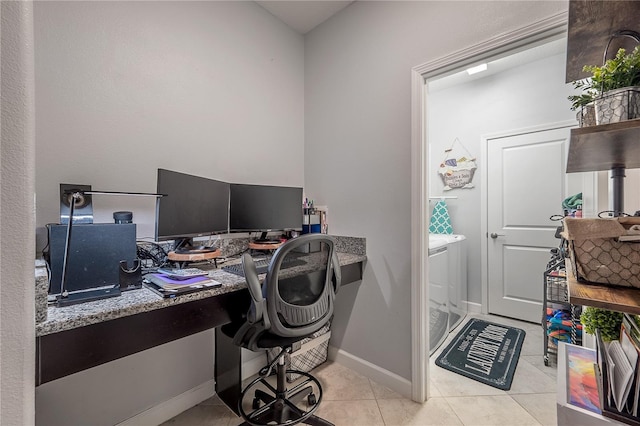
(351, 399)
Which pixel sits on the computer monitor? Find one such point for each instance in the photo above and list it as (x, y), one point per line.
(194, 206)
(264, 208)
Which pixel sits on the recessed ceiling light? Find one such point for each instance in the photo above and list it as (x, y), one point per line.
(477, 69)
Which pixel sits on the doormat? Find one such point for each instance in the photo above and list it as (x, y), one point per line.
(485, 352)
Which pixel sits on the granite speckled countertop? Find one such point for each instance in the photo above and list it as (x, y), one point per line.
(350, 251)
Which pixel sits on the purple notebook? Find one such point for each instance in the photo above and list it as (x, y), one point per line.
(167, 279)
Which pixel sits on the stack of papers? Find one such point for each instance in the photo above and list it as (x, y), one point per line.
(619, 370)
(620, 373)
(166, 286)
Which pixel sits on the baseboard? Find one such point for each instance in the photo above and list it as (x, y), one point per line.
(168, 409)
(473, 308)
(372, 371)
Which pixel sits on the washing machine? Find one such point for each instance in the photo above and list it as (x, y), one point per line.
(457, 248)
(438, 292)
(456, 276)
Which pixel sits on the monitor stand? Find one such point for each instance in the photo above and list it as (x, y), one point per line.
(185, 246)
(264, 240)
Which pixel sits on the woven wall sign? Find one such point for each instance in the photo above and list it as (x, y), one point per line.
(458, 167)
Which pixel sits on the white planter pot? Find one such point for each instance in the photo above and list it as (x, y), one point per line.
(618, 105)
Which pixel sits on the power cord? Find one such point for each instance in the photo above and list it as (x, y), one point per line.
(151, 255)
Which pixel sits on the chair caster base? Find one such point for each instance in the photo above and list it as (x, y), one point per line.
(282, 406)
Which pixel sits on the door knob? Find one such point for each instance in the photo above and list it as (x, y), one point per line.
(494, 235)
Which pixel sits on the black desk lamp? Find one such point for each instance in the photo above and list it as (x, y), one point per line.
(65, 298)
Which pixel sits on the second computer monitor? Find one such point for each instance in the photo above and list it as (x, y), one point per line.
(264, 208)
(194, 206)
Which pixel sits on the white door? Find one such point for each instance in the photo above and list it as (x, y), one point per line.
(525, 186)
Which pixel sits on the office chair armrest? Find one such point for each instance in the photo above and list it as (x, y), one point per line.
(259, 307)
(337, 273)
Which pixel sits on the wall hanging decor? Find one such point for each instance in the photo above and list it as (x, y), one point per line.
(458, 167)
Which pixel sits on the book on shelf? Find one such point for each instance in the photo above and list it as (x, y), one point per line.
(632, 351)
(582, 385)
(632, 328)
(601, 371)
(617, 373)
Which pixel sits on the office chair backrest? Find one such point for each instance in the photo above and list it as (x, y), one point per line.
(294, 302)
(300, 304)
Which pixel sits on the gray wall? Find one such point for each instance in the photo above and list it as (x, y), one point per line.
(358, 143)
(529, 95)
(214, 89)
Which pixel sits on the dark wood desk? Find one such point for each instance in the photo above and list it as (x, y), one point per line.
(61, 353)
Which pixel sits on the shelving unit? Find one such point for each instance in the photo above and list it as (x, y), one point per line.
(556, 298)
(605, 147)
(569, 414)
(619, 299)
(614, 147)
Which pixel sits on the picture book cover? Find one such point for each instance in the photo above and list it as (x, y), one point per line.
(581, 378)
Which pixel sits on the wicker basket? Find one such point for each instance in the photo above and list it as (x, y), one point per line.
(596, 254)
(586, 115)
(618, 105)
(307, 354)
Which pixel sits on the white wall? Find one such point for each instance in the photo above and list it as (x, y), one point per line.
(214, 89)
(358, 144)
(631, 195)
(632, 191)
(17, 159)
(530, 95)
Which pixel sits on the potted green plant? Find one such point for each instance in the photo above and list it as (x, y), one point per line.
(583, 103)
(608, 322)
(613, 87)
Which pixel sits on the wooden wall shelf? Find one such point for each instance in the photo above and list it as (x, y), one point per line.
(621, 299)
(605, 147)
(613, 298)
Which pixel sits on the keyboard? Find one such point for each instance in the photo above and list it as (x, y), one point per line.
(182, 273)
(262, 265)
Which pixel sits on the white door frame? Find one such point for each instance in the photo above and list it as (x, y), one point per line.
(519, 38)
(484, 179)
